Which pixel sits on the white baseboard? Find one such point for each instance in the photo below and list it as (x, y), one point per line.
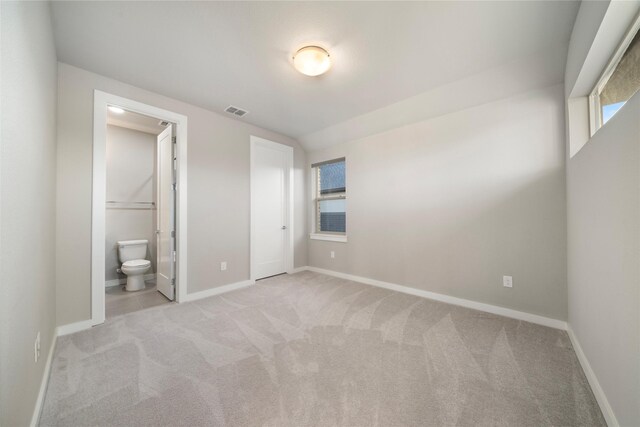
(598, 392)
(533, 318)
(494, 309)
(219, 290)
(116, 282)
(35, 418)
(58, 332)
(73, 327)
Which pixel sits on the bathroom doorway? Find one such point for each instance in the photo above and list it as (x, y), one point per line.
(139, 207)
(140, 228)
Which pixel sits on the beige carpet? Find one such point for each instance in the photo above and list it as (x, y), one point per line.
(312, 350)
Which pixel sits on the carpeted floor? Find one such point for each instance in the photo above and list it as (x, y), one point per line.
(312, 350)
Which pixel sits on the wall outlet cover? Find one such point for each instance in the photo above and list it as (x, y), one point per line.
(223, 265)
(507, 281)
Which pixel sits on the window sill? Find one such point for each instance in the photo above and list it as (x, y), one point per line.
(328, 237)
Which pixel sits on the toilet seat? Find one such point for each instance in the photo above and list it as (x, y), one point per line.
(137, 263)
(135, 269)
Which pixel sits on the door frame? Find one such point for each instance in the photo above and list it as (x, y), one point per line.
(101, 100)
(288, 198)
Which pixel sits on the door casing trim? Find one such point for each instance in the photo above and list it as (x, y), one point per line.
(101, 100)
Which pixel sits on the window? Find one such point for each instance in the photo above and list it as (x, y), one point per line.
(330, 194)
(620, 81)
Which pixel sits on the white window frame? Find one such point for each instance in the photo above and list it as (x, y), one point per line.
(315, 201)
(595, 109)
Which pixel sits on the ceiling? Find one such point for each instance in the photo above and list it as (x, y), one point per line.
(135, 121)
(216, 54)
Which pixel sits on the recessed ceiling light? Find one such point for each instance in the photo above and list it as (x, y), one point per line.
(312, 60)
(116, 110)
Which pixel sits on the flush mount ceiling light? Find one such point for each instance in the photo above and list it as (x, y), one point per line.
(116, 110)
(312, 60)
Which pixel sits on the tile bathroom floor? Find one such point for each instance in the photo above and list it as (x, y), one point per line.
(118, 301)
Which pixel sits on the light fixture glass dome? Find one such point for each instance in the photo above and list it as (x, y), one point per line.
(312, 60)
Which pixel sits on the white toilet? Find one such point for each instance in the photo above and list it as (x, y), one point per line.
(132, 255)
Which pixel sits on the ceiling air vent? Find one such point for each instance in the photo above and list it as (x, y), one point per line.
(164, 123)
(235, 111)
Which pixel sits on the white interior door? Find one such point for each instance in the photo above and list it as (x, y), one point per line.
(165, 204)
(270, 192)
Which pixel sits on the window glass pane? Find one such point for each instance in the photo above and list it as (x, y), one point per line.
(331, 178)
(623, 83)
(609, 110)
(332, 216)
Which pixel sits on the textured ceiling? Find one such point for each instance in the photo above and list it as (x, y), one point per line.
(213, 54)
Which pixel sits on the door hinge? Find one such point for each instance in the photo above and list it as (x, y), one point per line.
(173, 282)
(173, 234)
(173, 139)
(174, 186)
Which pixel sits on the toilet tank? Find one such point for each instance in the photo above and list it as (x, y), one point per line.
(132, 249)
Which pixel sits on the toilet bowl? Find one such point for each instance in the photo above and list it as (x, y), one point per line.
(131, 254)
(135, 270)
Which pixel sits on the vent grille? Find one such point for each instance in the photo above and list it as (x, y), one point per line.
(239, 112)
(164, 123)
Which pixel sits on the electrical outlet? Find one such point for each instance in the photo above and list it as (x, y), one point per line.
(333, 254)
(223, 265)
(507, 281)
(36, 348)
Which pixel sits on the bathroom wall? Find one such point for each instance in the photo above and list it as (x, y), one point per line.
(218, 182)
(131, 177)
(28, 208)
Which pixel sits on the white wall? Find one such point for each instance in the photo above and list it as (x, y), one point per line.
(218, 179)
(585, 30)
(603, 215)
(453, 203)
(603, 187)
(131, 177)
(27, 211)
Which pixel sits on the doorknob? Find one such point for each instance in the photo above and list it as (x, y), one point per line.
(284, 227)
